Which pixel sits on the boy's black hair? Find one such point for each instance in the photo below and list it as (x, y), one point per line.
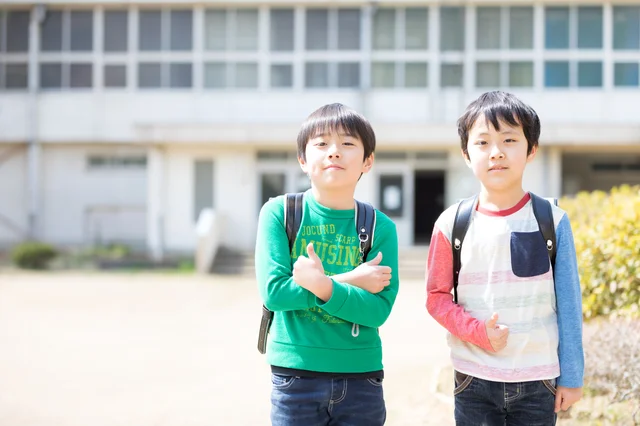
(333, 118)
(500, 106)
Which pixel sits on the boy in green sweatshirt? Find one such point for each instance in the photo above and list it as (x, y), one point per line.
(324, 348)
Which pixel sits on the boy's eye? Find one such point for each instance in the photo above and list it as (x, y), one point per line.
(510, 140)
(481, 142)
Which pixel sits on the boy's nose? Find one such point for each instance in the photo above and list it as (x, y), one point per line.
(496, 152)
(334, 152)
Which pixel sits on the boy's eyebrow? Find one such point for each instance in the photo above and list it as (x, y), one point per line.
(322, 134)
(503, 132)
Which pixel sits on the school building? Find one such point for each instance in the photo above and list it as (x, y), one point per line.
(122, 121)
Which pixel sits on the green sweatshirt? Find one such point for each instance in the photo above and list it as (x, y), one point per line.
(337, 336)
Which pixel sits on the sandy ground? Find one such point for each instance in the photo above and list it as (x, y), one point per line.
(94, 349)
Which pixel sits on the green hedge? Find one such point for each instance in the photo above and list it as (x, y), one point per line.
(606, 228)
(33, 255)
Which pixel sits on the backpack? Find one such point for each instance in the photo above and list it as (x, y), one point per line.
(365, 222)
(541, 210)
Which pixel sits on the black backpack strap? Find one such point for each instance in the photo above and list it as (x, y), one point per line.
(544, 215)
(460, 227)
(365, 225)
(292, 221)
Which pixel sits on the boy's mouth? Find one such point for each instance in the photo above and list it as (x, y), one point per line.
(333, 167)
(497, 168)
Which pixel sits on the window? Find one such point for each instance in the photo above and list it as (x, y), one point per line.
(451, 75)
(281, 30)
(626, 74)
(97, 162)
(155, 75)
(233, 29)
(203, 186)
(165, 30)
(590, 74)
(556, 74)
(488, 74)
(281, 75)
(115, 42)
(488, 28)
(562, 33)
(384, 29)
(115, 76)
(348, 29)
(492, 31)
(318, 36)
(452, 28)
(383, 74)
(349, 74)
(316, 74)
(239, 75)
(391, 199)
(520, 74)
(415, 74)
(414, 24)
(416, 31)
(626, 27)
(521, 27)
(323, 74)
(14, 48)
(272, 185)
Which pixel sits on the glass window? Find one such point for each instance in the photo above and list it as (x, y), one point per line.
(51, 32)
(556, 28)
(391, 199)
(17, 31)
(181, 24)
(348, 29)
(281, 30)
(51, 76)
(488, 28)
(488, 74)
(246, 36)
(149, 75)
(626, 74)
(451, 75)
(383, 74)
(590, 74)
(215, 29)
(115, 76)
(416, 28)
(316, 74)
(415, 74)
(452, 28)
(203, 186)
(556, 74)
(349, 74)
(272, 185)
(626, 27)
(180, 75)
(521, 27)
(520, 74)
(384, 29)
(246, 75)
(215, 75)
(81, 31)
(116, 30)
(317, 29)
(150, 30)
(281, 75)
(590, 27)
(80, 75)
(16, 76)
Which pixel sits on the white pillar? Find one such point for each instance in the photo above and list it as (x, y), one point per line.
(156, 184)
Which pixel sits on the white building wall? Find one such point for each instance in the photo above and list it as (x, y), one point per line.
(14, 201)
(81, 205)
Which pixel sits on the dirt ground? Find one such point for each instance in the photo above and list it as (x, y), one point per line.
(141, 349)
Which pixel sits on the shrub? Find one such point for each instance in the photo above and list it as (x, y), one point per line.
(33, 255)
(606, 230)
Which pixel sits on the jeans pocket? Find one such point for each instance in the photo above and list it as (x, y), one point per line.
(462, 382)
(551, 385)
(282, 382)
(376, 381)
(529, 257)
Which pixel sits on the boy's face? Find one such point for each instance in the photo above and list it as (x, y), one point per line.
(498, 157)
(334, 161)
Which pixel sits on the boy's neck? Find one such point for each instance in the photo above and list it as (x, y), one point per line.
(335, 199)
(500, 200)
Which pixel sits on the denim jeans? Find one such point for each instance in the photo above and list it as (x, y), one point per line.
(316, 401)
(481, 402)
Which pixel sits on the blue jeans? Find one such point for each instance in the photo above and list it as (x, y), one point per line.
(316, 401)
(484, 403)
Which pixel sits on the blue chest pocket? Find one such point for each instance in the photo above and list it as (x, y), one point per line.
(529, 256)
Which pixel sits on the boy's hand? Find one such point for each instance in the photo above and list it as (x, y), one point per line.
(308, 273)
(370, 276)
(497, 334)
(566, 397)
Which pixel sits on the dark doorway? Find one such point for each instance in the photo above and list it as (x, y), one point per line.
(428, 203)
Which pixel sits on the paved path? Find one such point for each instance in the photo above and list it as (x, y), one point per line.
(173, 350)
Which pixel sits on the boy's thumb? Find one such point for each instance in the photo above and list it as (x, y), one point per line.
(311, 251)
(493, 320)
(376, 260)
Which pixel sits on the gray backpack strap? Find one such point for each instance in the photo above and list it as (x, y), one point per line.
(544, 215)
(365, 225)
(460, 227)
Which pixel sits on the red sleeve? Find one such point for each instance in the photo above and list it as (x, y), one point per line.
(440, 304)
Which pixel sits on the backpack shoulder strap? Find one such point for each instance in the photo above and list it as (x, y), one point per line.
(544, 215)
(292, 215)
(460, 227)
(365, 225)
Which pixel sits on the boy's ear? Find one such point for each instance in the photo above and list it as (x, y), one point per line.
(368, 163)
(303, 164)
(466, 158)
(532, 155)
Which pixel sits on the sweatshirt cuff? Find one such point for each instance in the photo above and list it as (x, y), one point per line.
(337, 300)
